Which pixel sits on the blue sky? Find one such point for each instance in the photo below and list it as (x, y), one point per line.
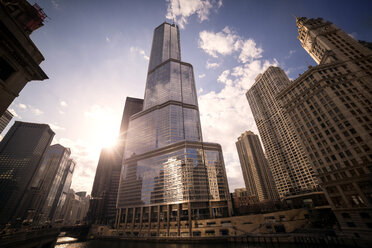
(96, 54)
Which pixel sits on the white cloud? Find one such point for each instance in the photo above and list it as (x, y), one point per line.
(227, 42)
(61, 112)
(140, 52)
(225, 115)
(181, 10)
(63, 103)
(55, 127)
(108, 39)
(14, 113)
(55, 4)
(249, 51)
(202, 75)
(218, 43)
(290, 54)
(22, 106)
(35, 110)
(353, 35)
(200, 90)
(212, 65)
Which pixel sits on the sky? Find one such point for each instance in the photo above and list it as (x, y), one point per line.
(96, 54)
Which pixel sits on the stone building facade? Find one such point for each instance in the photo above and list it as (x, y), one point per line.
(19, 57)
(289, 164)
(330, 107)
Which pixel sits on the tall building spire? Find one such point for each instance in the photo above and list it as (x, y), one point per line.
(165, 45)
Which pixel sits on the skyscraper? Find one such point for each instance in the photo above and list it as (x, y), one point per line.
(4, 120)
(256, 172)
(21, 153)
(330, 107)
(102, 208)
(65, 187)
(169, 176)
(20, 58)
(44, 181)
(54, 166)
(288, 161)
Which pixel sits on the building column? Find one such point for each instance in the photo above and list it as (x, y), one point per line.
(118, 218)
(210, 210)
(133, 218)
(190, 221)
(126, 218)
(149, 220)
(179, 206)
(158, 219)
(141, 216)
(168, 216)
(348, 205)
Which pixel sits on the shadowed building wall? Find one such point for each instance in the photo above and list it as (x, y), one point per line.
(102, 207)
(21, 153)
(256, 172)
(19, 57)
(330, 107)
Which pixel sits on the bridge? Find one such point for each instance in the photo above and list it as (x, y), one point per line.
(78, 231)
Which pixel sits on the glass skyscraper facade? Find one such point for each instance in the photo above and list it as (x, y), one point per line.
(21, 153)
(169, 176)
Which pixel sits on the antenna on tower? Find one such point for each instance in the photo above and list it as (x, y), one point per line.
(294, 16)
(171, 7)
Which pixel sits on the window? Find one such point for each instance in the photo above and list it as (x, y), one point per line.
(364, 215)
(345, 215)
(350, 224)
(5, 69)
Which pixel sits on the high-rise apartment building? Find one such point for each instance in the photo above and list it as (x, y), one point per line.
(57, 161)
(169, 176)
(21, 153)
(5, 119)
(19, 57)
(102, 209)
(330, 107)
(289, 164)
(256, 172)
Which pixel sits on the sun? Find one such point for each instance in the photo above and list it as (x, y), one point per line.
(102, 127)
(108, 140)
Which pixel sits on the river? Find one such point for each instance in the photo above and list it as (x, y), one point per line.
(127, 244)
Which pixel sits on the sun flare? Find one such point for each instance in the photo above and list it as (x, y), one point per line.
(103, 127)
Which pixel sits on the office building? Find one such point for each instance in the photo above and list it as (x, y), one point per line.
(4, 120)
(65, 185)
(329, 106)
(256, 172)
(75, 208)
(289, 164)
(169, 176)
(57, 161)
(102, 209)
(21, 152)
(19, 57)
